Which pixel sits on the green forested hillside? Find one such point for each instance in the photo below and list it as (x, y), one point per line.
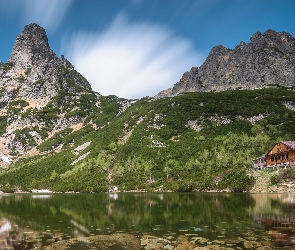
(194, 141)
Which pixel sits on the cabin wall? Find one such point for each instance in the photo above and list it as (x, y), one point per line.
(280, 154)
(292, 155)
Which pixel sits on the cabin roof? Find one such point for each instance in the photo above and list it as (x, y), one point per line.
(290, 144)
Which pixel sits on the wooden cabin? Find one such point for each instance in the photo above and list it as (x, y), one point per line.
(282, 154)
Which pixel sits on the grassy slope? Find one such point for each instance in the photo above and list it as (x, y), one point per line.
(150, 146)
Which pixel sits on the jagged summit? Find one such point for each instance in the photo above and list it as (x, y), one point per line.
(33, 83)
(270, 36)
(31, 46)
(269, 58)
(33, 70)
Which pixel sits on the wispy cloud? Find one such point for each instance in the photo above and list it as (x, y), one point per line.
(131, 60)
(47, 13)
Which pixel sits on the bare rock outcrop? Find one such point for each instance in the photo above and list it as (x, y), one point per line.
(35, 85)
(268, 58)
(33, 71)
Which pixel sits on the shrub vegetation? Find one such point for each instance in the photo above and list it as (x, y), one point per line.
(151, 145)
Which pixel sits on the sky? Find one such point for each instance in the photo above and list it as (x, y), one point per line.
(137, 48)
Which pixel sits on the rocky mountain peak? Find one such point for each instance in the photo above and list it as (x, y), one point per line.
(269, 58)
(270, 36)
(33, 70)
(36, 35)
(31, 47)
(33, 83)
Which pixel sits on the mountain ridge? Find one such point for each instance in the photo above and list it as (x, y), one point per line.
(56, 133)
(269, 58)
(31, 81)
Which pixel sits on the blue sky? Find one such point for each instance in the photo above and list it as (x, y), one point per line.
(136, 48)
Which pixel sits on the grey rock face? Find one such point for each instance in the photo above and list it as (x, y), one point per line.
(35, 75)
(31, 47)
(33, 71)
(269, 58)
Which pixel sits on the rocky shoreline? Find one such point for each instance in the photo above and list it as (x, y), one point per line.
(128, 241)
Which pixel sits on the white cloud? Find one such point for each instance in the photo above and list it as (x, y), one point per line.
(131, 60)
(47, 13)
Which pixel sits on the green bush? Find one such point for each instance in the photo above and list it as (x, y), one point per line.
(237, 180)
(28, 71)
(3, 122)
(7, 66)
(275, 179)
(284, 175)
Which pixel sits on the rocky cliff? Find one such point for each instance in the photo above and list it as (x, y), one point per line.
(268, 58)
(35, 85)
(33, 71)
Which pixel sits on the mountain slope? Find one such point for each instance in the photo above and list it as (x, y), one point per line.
(195, 141)
(59, 134)
(41, 94)
(269, 58)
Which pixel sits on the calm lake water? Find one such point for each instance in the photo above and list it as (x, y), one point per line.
(209, 215)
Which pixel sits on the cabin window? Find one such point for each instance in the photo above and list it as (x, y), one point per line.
(287, 156)
(272, 159)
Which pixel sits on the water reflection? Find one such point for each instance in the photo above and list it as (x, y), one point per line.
(41, 196)
(5, 227)
(275, 214)
(213, 216)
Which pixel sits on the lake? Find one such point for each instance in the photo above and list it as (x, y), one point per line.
(223, 217)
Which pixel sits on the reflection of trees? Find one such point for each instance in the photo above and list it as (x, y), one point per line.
(274, 212)
(213, 213)
(273, 204)
(130, 211)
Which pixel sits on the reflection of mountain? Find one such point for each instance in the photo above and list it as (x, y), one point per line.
(5, 227)
(210, 215)
(101, 213)
(12, 237)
